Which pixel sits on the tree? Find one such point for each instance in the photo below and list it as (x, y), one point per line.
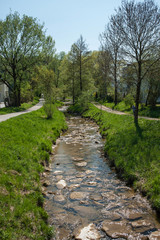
(45, 78)
(112, 39)
(139, 26)
(21, 41)
(81, 51)
(104, 66)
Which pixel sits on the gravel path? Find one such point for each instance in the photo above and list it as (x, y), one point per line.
(11, 115)
(104, 108)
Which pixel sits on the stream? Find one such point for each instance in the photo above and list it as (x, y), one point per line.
(83, 196)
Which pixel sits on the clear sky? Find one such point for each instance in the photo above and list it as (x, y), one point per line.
(66, 20)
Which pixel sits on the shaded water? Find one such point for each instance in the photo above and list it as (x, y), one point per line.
(82, 189)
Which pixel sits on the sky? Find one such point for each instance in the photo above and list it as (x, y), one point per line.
(66, 20)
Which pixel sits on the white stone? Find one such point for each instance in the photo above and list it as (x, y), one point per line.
(81, 164)
(61, 184)
(88, 233)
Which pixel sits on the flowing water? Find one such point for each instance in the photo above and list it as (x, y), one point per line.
(83, 196)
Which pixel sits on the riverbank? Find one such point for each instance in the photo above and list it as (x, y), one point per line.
(133, 151)
(26, 144)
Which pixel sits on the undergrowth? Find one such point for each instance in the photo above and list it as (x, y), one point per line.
(133, 150)
(25, 144)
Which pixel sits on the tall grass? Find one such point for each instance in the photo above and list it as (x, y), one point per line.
(134, 150)
(25, 145)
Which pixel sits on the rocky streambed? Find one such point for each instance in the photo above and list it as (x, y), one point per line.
(83, 196)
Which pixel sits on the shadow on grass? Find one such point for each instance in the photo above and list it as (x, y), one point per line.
(138, 130)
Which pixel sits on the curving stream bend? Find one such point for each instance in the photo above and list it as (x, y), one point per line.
(83, 196)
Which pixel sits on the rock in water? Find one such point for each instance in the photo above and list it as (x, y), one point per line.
(88, 233)
(61, 184)
(81, 164)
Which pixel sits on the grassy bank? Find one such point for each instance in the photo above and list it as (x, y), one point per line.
(24, 106)
(135, 151)
(25, 145)
(147, 111)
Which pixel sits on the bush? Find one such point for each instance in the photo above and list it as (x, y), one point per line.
(49, 110)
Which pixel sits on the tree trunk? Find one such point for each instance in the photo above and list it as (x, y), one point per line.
(115, 82)
(138, 92)
(80, 73)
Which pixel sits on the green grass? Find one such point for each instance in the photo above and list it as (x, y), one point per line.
(146, 111)
(25, 144)
(134, 151)
(24, 106)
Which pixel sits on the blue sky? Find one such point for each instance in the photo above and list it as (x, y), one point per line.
(66, 20)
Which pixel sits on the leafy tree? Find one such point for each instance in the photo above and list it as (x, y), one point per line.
(21, 40)
(139, 26)
(45, 78)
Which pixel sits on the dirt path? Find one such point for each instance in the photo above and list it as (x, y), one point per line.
(104, 108)
(11, 115)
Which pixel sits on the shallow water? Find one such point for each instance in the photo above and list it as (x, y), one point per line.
(92, 193)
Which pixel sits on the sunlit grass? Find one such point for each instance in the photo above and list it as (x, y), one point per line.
(25, 144)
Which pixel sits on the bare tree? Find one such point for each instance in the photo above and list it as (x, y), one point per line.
(82, 51)
(113, 40)
(139, 27)
(104, 63)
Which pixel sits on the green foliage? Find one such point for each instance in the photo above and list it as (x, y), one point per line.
(84, 100)
(49, 109)
(26, 142)
(20, 45)
(133, 150)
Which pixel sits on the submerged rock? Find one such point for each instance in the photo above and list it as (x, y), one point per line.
(78, 195)
(116, 229)
(59, 198)
(88, 233)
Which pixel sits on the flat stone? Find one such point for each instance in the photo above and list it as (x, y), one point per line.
(76, 180)
(84, 211)
(140, 223)
(80, 175)
(59, 198)
(155, 235)
(59, 177)
(74, 186)
(78, 159)
(61, 184)
(81, 164)
(109, 196)
(92, 183)
(89, 172)
(141, 226)
(133, 216)
(58, 172)
(96, 197)
(88, 233)
(77, 195)
(116, 229)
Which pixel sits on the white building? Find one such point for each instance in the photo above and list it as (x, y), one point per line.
(4, 93)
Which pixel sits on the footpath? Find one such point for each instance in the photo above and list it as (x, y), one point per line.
(11, 115)
(104, 108)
